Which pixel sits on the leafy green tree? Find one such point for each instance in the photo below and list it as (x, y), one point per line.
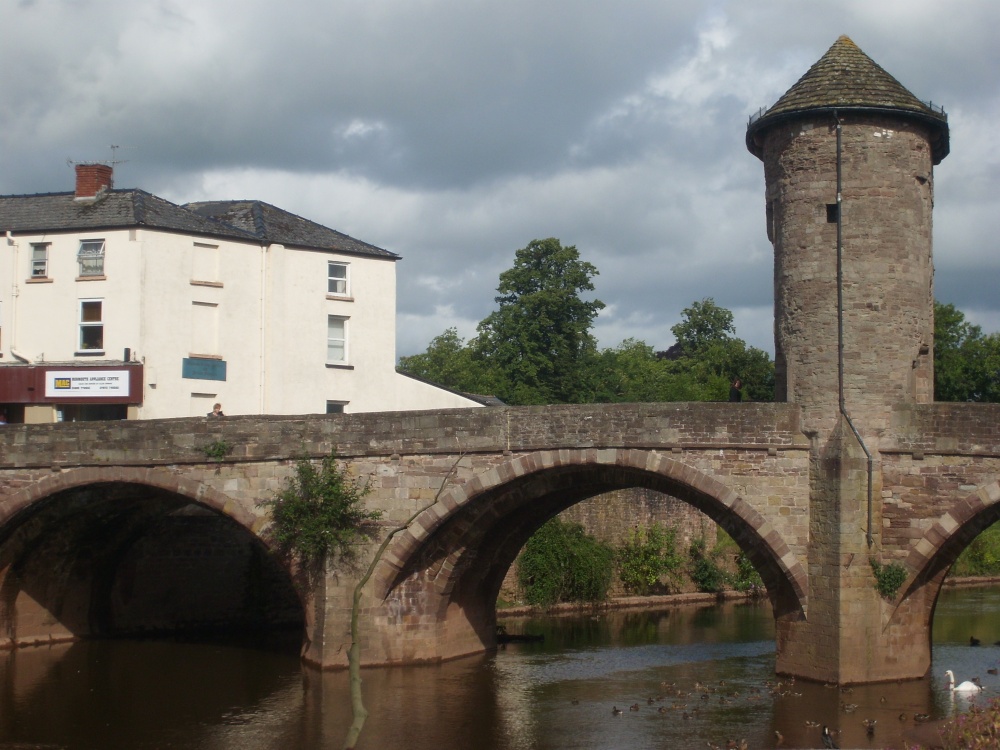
(712, 356)
(966, 361)
(538, 343)
(703, 325)
(450, 362)
(632, 373)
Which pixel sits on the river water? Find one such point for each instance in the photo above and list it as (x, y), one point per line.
(695, 675)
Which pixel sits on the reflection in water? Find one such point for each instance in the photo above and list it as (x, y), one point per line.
(694, 675)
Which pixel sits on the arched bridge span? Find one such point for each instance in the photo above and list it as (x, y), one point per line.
(449, 563)
(461, 491)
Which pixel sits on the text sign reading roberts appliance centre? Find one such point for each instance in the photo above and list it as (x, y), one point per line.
(101, 383)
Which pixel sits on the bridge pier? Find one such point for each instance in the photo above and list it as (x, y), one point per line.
(845, 637)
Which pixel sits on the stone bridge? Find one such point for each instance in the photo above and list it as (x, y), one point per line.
(128, 527)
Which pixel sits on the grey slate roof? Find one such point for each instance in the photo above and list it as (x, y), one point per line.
(275, 225)
(846, 79)
(247, 221)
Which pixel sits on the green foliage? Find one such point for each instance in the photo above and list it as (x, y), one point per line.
(561, 563)
(888, 578)
(703, 325)
(217, 450)
(981, 557)
(537, 347)
(703, 568)
(979, 729)
(746, 578)
(966, 361)
(538, 342)
(450, 362)
(712, 356)
(319, 512)
(647, 557)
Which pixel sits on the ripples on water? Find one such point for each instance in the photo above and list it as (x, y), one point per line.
(556, 694)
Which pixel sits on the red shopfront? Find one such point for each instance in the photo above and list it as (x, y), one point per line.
(69, 392)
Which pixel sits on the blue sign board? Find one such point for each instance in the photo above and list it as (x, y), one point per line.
(203, 369)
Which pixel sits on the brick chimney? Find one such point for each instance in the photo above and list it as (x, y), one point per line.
(91, 179)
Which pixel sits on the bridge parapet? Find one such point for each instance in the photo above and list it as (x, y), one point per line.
(955, 429)
(669, 426)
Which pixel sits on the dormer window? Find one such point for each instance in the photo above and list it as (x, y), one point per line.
(91, 258)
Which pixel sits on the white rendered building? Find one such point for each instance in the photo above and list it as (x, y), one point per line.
(117, 303)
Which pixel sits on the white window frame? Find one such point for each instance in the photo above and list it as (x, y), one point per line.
(336, 285)
(336, 339)
(89, 325)
(336, 407)
(90, 253)
(40, 265)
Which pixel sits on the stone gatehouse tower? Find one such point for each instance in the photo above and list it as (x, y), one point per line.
(848, 163)
(848, 158)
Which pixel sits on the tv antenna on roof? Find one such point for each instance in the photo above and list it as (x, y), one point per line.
(112, 162)
(114, 155)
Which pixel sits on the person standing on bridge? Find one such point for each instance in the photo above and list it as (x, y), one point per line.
(736, 390)
(216, 411)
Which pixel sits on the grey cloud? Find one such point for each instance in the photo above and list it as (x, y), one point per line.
(456, 132)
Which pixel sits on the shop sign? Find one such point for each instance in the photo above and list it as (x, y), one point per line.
(84, 383)
(197, 368)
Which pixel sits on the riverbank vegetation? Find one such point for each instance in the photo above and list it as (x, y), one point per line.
(562, 563)
(977, 729)
(981, 557)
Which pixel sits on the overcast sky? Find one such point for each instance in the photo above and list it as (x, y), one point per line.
(454, 132)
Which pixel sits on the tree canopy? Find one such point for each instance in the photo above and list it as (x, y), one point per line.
(966, 361)
(537, 347)
(538, 342)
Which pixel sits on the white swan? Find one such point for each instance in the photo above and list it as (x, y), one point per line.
(966, 687)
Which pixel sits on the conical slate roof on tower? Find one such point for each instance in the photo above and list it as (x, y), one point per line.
(845, 79)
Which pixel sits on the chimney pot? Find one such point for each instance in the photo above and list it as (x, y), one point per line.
(92, 179)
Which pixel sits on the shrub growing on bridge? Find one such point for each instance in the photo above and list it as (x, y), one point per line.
(561, 563)
(319, 512)
(888, 578)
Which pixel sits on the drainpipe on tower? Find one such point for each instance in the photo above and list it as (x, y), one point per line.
(840, 329)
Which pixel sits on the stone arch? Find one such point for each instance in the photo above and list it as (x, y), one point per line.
(932, 555)
(909, 619)
(132, 551)
(455, 553)
(152, 477)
